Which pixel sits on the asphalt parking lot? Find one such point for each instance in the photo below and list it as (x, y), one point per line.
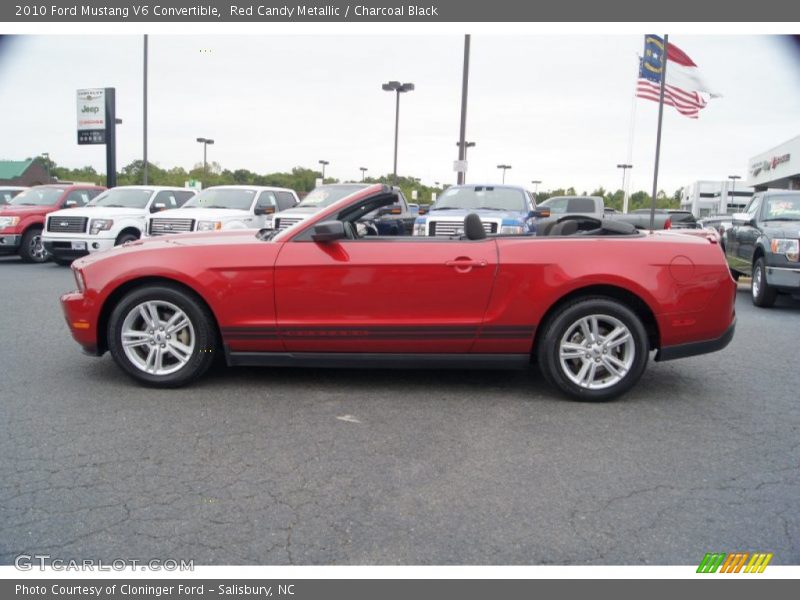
(263, 466)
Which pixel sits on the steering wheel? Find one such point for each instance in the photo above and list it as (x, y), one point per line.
(365, 228)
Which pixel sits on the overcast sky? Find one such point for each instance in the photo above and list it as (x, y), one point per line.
(557, 108)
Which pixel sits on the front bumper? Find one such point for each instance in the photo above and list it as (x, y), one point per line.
(695, 348)
(783, 278)
(75, 247)
(82, 322)
(10, 243)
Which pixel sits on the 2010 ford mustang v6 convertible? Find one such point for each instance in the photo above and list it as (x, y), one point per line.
(587, 305)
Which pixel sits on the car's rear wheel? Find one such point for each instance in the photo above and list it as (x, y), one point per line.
(124, 238)
(593, 349)
(32, 249)
(162, 336)
(763, 294)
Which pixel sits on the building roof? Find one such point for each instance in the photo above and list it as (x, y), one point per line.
(11, 169)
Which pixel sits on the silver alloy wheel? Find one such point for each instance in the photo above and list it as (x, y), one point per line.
(37, 250)
(756, 286)
(158, 337)
(597, 351)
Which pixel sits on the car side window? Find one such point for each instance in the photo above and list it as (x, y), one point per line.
(182, 197)
(285, 200)
(755, 204)
(79, 197)
(266, 199)
(558, 206)
(167, 198)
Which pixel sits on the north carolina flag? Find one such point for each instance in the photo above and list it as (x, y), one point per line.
(684, 87)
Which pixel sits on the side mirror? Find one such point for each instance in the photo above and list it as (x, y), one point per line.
(263, 210)
(70, 204)
(157, 207)
(742, 219)
(328, 231)
(540, 213)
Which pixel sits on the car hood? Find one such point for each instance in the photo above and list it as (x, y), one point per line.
(782, 229)
(303, 211)
(10, 210)
(459, 214)
(202, 214)
(100, 212)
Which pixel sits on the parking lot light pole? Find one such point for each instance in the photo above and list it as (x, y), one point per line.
(624, 168)
(536, 183)
(398, 88)
(323, 163)
(205, 142)
(46, 157)
(505, 168)
(363, 172)
(732, 193)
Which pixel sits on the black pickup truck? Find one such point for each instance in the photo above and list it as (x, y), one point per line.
(763, 242)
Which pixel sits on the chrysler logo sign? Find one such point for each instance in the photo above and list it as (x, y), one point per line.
(767, 165)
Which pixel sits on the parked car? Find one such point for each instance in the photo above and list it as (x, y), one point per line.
(763, 242)
(7, 192)
(396, 219)
(23, 219)
(590, 209)
(678, 219)
(588, 309)
(504, 209)
(223, 207)
(719, 223)
(113, 218)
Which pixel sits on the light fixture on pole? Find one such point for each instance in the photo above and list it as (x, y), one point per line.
(624, 168)
(363, 172)
(46, 157)
(732, 193)
(205, 142)
(536, 183)
(323, 163)
(505, 168)
(398, 88)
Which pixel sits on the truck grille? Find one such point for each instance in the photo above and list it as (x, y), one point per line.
(286, 222)
(169, 226)
(67, 224)
(450, 228)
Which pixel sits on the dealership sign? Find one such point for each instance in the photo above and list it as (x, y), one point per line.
(767, 165)
(92, 116)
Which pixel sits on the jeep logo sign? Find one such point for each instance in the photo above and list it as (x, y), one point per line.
(92, 116)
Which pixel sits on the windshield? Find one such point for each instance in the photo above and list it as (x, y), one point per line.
(482, 197)
(123, 198)
(326, 195)
(223, 198)
(38, 197)
(781, 208)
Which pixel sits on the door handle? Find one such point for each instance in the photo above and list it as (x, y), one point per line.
(465, 263)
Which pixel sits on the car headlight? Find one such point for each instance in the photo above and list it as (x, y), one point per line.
(8, 222)
(512, 229)
(209, 225)
(98, 225)
(79, 280)
(791, 248)
(420, 228)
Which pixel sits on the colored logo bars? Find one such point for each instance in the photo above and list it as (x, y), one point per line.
(733, 563)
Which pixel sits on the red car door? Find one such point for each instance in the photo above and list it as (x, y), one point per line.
(399, 294)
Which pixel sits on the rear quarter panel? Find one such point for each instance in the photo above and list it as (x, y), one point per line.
(685, 283)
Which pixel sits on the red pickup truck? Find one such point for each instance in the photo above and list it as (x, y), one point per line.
(23, 219)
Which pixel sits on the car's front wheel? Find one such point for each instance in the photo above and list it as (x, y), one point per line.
(593, 349)
(763, 294)
(32, 249)
(162, 336)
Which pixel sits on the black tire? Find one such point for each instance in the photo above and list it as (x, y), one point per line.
(124, 238)
(203, 328)
(761, 292)
(735, 274)
(32, 249)
(64, 262)
(562, 327)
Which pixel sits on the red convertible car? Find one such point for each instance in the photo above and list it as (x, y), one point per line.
(587, 306)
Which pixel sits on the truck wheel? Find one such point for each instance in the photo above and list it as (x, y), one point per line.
(763, 294)
(735, 274)
(32, 249)
(64, 262)
(162, 336)
(124, 238)
(593, 349)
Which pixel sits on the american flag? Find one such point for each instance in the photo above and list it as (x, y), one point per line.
(684, 87)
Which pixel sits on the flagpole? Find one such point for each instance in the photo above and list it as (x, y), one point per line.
(626, 183)
(658, 132)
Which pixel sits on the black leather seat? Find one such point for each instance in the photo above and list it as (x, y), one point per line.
(564, 228)
(473, 228)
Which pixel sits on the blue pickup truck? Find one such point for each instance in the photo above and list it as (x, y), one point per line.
(503, 209)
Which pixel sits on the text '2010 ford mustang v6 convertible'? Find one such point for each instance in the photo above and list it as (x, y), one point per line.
(587, 306)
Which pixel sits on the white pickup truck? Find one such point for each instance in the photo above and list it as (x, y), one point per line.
(114, 217)
(224, 207)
